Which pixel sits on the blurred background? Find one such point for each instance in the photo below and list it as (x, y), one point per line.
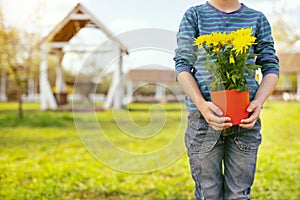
(29, 26)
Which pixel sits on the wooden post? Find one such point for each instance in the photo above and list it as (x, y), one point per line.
(129, 92)
(160, 91)
(61, 90)
(46, 95)
(116, 90)
(119, 92)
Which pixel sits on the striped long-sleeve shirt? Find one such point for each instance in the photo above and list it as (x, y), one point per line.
(205, 19)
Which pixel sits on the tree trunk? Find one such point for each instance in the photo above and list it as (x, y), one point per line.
(20, 102)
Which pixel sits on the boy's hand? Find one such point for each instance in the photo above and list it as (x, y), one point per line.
(254, 108)
(213, 116)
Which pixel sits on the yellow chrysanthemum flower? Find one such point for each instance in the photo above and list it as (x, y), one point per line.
(230, 37)
(213, 39)
(201, 40)
(242, 40)
(229, 52)
(219, 38)
(243, 32)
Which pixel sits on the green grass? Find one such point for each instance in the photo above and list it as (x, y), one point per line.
(42, 156)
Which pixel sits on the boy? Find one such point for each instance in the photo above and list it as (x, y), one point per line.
(210, 138)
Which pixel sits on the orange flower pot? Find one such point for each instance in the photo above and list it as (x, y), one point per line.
(232, 103)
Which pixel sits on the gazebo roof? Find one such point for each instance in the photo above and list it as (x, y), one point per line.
(78, 18)
(289, 62)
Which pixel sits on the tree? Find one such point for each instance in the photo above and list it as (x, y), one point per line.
(283, 32)
(9, 60)
(16, 59)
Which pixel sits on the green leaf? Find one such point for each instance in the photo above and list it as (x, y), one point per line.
(234, 78)
(241, 89)
(228, 75)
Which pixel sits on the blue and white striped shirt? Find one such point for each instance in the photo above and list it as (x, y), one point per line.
(205, 19)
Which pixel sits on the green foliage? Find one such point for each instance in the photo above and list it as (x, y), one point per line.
(42, 159)
(228, 75)
(17, 60)
(227, 56)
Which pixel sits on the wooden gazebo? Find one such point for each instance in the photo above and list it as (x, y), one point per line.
(290, 64)
(53, 43)
(158, 76)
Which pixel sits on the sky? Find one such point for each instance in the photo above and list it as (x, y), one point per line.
(121, 16)
(124, 15)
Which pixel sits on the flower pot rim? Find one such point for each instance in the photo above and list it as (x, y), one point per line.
(231, 90)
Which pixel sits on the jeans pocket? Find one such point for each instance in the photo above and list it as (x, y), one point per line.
(193, 120)
(199, 136)
(249, 139)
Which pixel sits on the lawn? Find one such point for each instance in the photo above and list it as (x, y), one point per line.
(131, 154)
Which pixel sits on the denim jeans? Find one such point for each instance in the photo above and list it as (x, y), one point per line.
(223, 163)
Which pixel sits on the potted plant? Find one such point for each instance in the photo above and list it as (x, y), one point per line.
(227, 55)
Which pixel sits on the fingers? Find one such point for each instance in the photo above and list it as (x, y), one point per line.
(253, 117)
(215, 118)
(215, 109)
(220, 127)
(248, 126)
(218, 120)
(254, 105)
(219, 123)
(251, 107)
(250, 122)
